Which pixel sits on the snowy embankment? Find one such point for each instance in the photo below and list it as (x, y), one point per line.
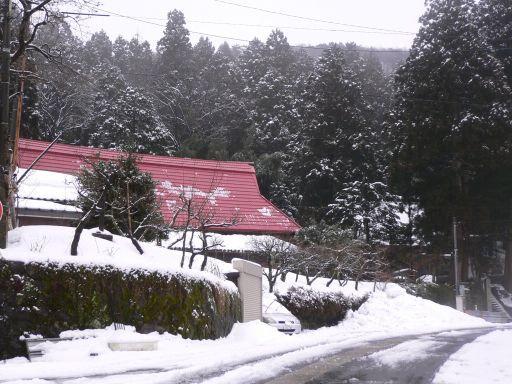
(388, 312)
(52, 244)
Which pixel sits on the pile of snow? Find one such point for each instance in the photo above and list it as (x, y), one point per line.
(256, 333)
(47, 185)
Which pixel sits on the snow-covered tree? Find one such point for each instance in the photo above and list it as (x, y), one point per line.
(368, 208)
(124, 118)
(330, 150)
(495, 20)
(174, 48)
(135, 60)
(123, 196)
(451, 121)
(97, 50)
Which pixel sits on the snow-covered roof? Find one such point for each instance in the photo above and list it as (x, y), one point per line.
(228, 189)
(47, 191)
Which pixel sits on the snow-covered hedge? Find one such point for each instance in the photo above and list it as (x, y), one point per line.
(317, 309)
(46, 299)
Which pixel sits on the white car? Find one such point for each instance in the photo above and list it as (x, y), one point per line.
(284, 322)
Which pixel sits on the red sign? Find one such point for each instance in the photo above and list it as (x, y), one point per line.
(1, 210)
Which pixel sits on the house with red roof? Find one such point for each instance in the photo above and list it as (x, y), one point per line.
(228, 189)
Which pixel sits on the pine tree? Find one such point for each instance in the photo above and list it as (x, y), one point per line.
(174, 48)
(327, 145)
(451, 121)
(97, 50)
(495, 20)
(124, 118)
(130, 205)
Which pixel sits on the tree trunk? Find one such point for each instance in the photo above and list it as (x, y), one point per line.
(79, 228)
(136, 243)
(366, 223)
(203, 264)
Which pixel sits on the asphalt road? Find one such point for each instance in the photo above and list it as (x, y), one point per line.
(355, 367)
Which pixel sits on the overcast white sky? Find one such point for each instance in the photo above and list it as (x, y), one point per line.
(224, 18)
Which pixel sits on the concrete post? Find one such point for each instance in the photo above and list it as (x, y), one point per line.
(250, 286)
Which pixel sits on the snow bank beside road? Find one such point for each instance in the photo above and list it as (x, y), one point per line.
(483, 361)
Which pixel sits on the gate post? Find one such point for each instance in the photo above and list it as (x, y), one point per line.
(250, 286)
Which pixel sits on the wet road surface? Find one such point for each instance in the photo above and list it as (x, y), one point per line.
(358, 366)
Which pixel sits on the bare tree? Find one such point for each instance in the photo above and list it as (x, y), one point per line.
(280, 256)
(24, 19)
(193, 214)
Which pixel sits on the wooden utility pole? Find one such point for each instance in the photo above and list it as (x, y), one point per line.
(5, 153)
(507, 271)
(455, 256)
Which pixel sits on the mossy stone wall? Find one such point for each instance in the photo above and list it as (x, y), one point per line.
(46, 299)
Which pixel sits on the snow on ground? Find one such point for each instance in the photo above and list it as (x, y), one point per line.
(389, 311)
(483, 361)
(405, 353)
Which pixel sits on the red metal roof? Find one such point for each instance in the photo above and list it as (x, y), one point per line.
(227, 188)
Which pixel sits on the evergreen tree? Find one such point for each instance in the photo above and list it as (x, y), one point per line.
(130, 206)
(135, 60)
(63, 92)
(495, 20)
(174, 48)
(124, 118)
(451, 122)
(270, 73)
(97, 50)
(328, 146)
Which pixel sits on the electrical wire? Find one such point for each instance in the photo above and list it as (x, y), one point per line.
(246, 40)
(289, 27)
(313, 19)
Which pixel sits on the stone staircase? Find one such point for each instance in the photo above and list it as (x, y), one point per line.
(491, 317)
(497, 314)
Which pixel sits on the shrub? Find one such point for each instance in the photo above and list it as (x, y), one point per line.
(438, 293)
(318, 309)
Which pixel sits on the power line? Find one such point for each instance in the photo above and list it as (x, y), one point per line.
(313, 19)
(262, 25)
(288, 27)
(246, 40)
(84, 14)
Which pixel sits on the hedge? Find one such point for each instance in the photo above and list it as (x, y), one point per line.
(47, 298)
(317, 309)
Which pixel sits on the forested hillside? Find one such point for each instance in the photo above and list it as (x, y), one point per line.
(334, 133)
